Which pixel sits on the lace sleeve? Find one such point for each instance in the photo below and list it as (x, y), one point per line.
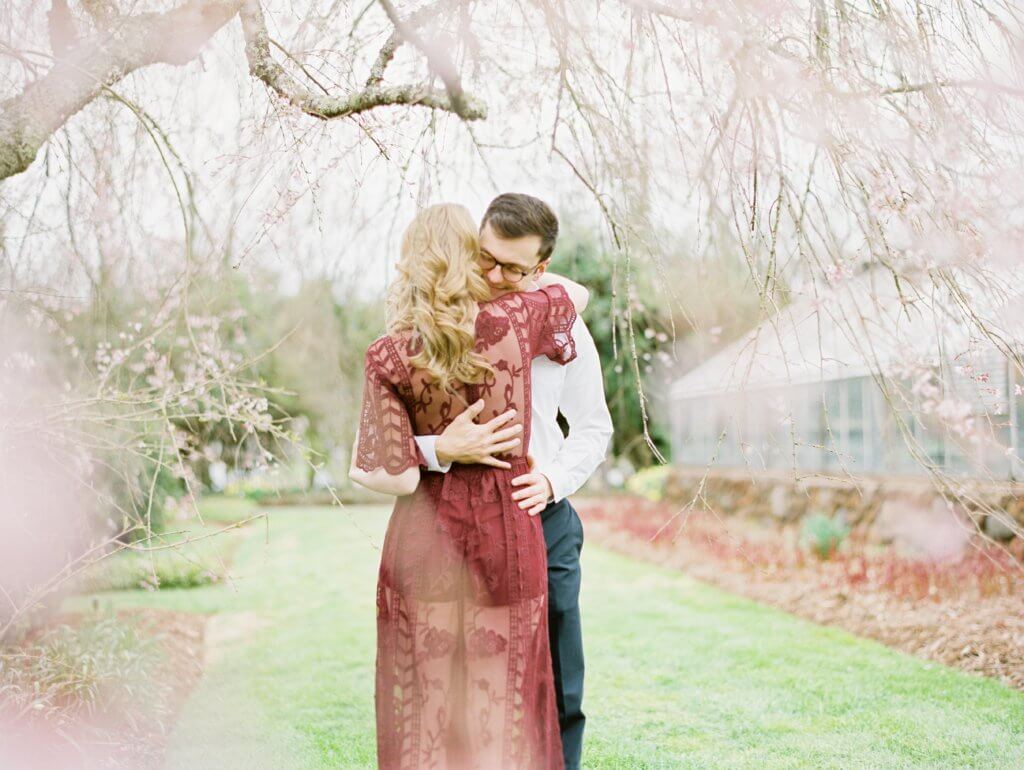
(552, 315)
(385, 430)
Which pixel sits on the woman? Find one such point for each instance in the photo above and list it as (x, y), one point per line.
(463, 665)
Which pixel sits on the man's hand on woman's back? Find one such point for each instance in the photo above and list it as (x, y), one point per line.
(466, 442)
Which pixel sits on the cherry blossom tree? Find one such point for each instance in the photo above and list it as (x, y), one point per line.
(150, 148)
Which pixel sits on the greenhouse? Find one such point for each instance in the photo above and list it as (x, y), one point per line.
(804, 390)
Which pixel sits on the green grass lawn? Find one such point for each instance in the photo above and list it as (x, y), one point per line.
(679, 674)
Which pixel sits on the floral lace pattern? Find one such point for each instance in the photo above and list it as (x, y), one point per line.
(464, 678)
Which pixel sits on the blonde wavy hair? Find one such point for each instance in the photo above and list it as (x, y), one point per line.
(436, 293)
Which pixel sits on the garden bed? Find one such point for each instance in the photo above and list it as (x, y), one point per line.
(85, 689)
(967, 613)
(105, 687)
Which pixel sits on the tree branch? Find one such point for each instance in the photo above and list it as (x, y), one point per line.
(440, 64)
(263, 66)
(387, 51)
(95, 62)
(100, 60)
(659, 9)
(935, 85)
(981, 85)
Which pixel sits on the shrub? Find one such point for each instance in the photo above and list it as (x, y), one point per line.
(172, 568)
(985, 570)
(824, 534)
(271, 495)
(649, 482)
(98, 669)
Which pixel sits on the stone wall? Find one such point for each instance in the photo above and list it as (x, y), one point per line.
(906, 511)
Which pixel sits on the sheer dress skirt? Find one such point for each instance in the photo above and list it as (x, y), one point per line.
(463, 665)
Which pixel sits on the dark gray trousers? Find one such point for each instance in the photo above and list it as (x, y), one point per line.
(563, 533)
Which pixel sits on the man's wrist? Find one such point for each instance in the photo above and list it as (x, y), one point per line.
(428, 448)
(440, 447)
(556, 481)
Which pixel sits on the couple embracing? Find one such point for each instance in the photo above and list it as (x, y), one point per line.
(479, 646)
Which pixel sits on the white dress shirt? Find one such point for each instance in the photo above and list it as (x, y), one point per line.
(577, 390)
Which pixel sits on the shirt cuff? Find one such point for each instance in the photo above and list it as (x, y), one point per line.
(427, 445)
(560, 485)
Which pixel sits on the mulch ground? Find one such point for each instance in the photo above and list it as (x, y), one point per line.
(968, 617)
(180, 638)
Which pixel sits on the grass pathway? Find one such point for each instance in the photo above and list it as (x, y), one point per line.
(680, 674)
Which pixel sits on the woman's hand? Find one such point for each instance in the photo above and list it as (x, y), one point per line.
(536, 490)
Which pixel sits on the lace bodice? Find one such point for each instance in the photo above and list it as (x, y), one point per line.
(400, 401)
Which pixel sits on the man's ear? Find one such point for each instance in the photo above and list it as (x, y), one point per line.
(543, 266)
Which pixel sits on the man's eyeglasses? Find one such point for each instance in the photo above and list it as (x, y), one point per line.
(511, 273)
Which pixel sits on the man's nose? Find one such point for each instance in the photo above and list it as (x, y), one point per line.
(495, 276)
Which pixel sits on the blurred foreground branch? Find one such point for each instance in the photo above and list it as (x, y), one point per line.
(84, 66)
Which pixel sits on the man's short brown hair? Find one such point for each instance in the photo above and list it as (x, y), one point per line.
(515, 215)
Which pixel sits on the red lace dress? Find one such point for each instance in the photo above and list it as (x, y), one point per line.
(464, 675)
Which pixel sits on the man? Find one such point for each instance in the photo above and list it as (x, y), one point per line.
(517, 238)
